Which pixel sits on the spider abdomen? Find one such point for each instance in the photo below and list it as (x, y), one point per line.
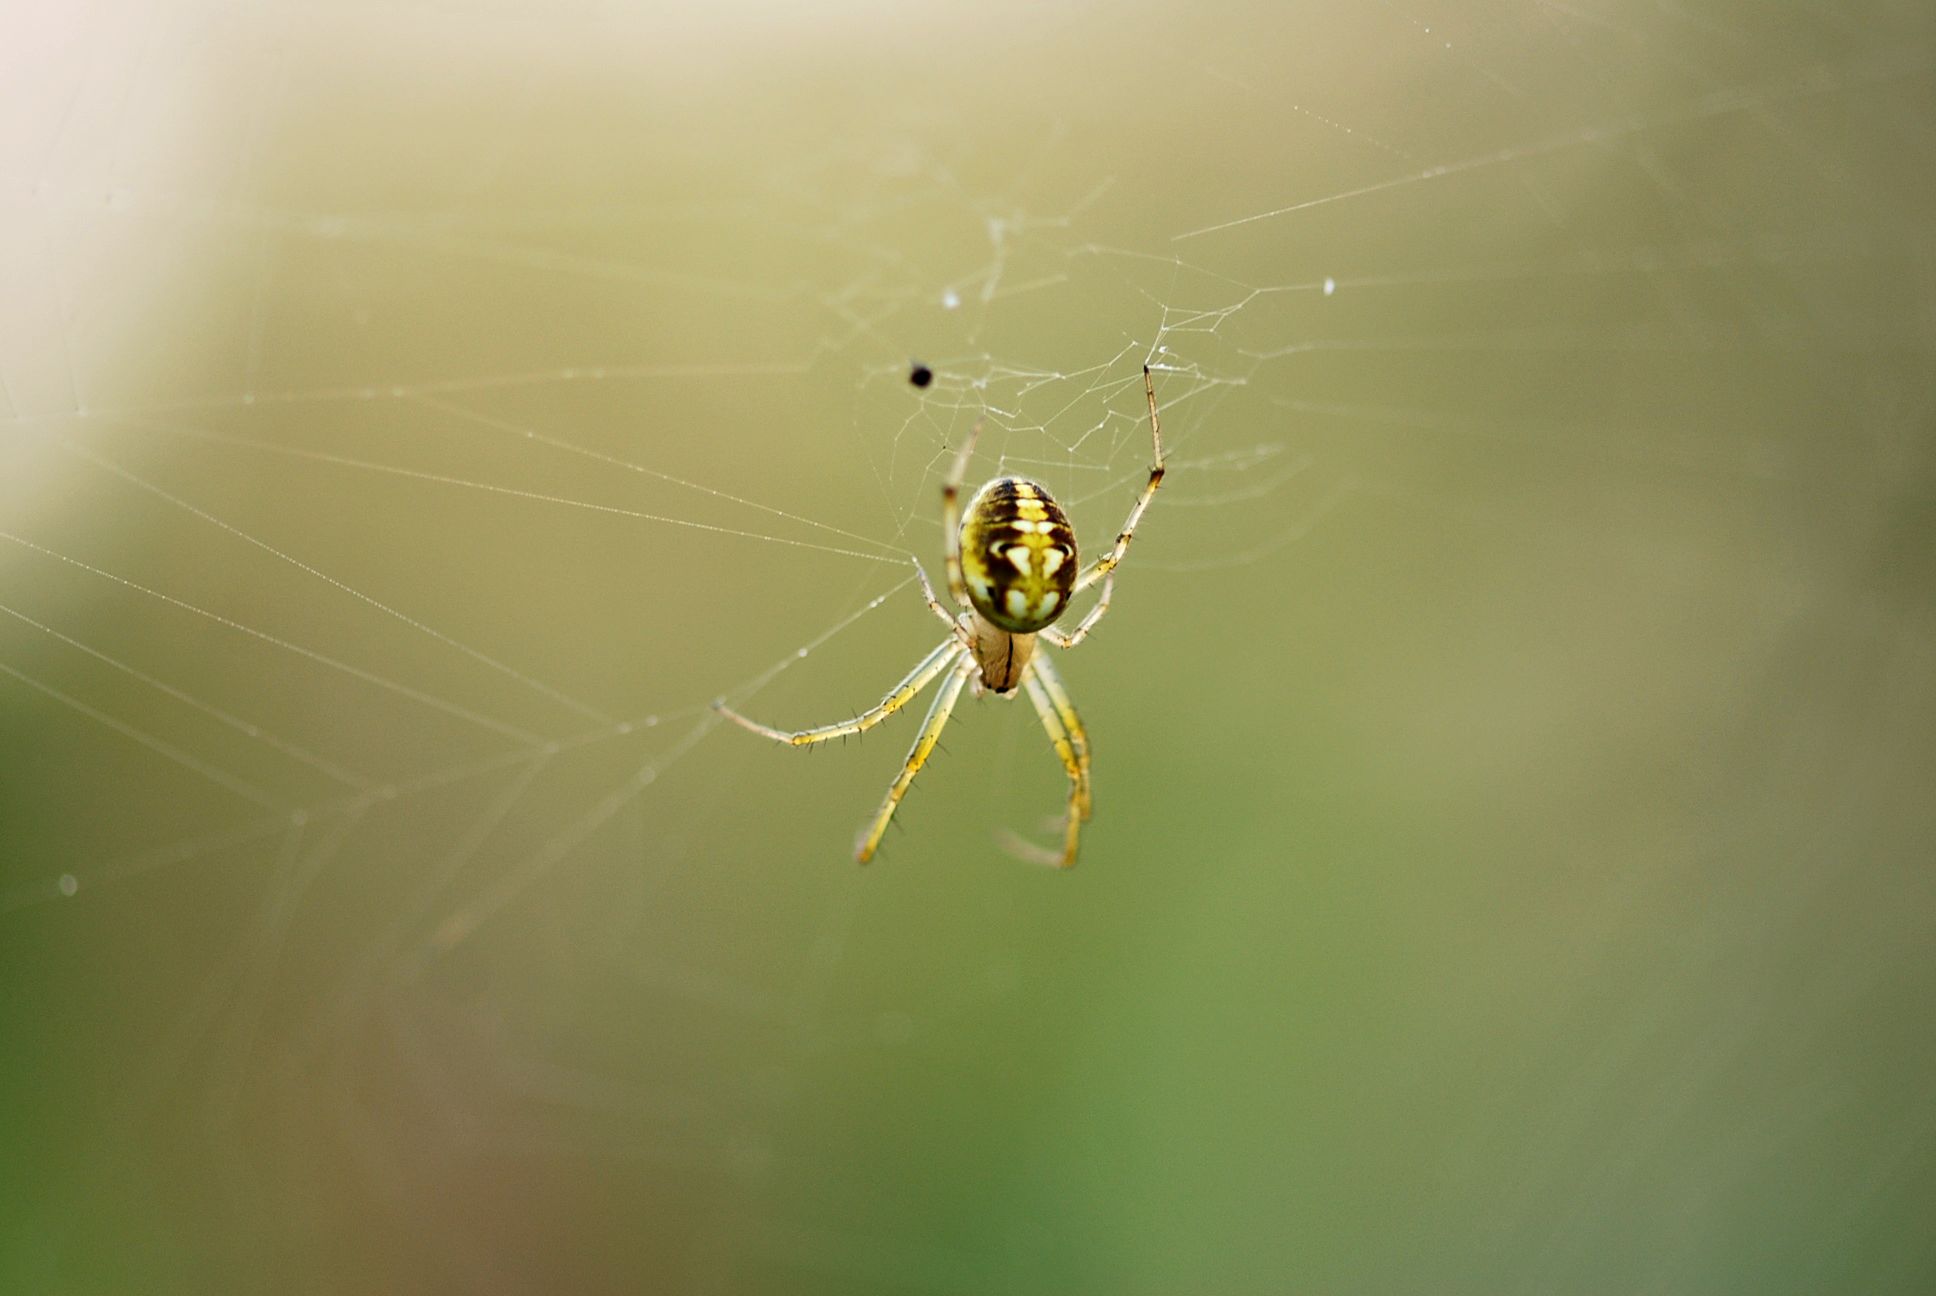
(1018, 555)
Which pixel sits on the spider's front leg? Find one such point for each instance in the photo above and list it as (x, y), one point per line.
(1108, 562)
(951, 519)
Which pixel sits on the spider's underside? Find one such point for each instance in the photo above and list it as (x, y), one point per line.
(1012, 570)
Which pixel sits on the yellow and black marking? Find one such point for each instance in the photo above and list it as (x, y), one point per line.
(1018, 555)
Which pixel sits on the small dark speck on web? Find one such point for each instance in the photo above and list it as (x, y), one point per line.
(920, 375)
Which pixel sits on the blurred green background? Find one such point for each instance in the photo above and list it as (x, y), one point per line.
(1513, 733)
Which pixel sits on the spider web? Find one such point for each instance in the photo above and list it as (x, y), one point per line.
(1508, 832)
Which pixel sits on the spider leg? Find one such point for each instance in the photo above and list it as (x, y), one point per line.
(1078, 784)
(1107, 563)
(903, 693)
(944, 704)
(935, 606)
(951, 517)
(1043, 670)
(1069, 639)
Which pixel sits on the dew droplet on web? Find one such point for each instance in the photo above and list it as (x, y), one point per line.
(69, 884)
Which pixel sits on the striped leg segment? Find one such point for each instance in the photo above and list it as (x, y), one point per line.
(1078, 784)
(935, 605)
(903, 693)
(1044, 670)
(944, 705)
(951, 517)
(1107, 563)
(1056, 636)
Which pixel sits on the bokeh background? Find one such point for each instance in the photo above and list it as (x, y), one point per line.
(1514, 732)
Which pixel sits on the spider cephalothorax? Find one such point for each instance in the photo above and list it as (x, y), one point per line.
(1012, 569)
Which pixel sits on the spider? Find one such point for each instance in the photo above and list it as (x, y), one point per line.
(1012, 571)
